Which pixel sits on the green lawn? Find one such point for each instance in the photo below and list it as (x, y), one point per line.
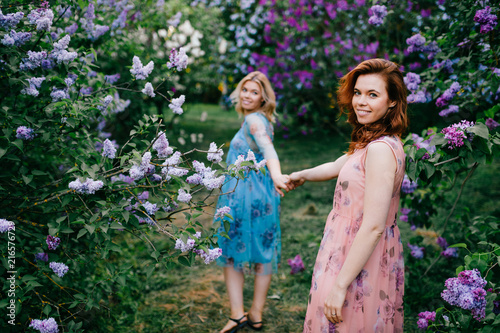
(194, 299)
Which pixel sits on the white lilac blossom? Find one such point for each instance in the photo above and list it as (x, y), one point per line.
(173, 171)
(60, 54)
(214, 153)
(210, 256)
(16, 38)
(6, 225)
(34, 60)
(42, 18)
(136, 172)
(25, 133)
(161, 146)
(213, 183)
(178, 59)
(149, 90)
(139, 171)
(109, 149)
(59, 268)
(34, 84)
(59, 94)
(45, 325)
(90, 186)
(175, 159)
(222, 211)
(189, 245)
(183, 196)
(141, 72)
(195, 179)
(150, 208)
(10, 21)
(176, 104)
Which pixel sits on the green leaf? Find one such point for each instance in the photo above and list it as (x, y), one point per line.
(480, 129)
(2, 151)
(438, 140)
(18, 143)
(459, 245)
(155, 254)
(90, 228)
(81, 233)
(184, 261)
(116, 225)
(126, 215)
(27, 179)
(429, 169)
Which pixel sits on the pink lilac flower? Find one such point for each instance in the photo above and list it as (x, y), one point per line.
(378, 14)
(149, 90)
(491, 123)
(6, 225)
(162, 147)
(176, 104)
(42, 257)
(183, 196)
(109, 149)
(222, 211)
(214, 154)
(417, 252)
(16, 38)
(296, 264)
(59, 268)
(139, 71)
(45, 325)
(486, 19)
(450, 110)
(456, 133)
(467, 292)
(90, 186)
(10, 21)
(52, 242)
(408, 186)
(25, 133)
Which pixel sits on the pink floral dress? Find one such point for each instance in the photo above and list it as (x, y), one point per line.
(374, 301)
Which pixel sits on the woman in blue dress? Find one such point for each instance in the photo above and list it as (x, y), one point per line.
(255, 236)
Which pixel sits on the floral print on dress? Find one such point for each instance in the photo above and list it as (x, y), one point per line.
(374, 300)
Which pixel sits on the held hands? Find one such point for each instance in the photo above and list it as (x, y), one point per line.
(280, 182)
(296, 180)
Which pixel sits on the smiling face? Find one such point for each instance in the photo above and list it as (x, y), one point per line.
(370, 100)
(250, 97)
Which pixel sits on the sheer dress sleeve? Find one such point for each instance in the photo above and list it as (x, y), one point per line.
(259, 135)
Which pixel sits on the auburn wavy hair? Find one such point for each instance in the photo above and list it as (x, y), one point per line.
(268, 106)
(394, 122)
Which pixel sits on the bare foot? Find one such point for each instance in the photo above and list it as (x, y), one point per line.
(255, 319)
(232, 324)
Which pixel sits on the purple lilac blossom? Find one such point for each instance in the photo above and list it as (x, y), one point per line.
(448, 94)
(417, 97)
(195, 179)
(52, 242)
(417, 252)
(456, 133)
(176, 104)
(441, 241)
(450, 252)
(90, 186)
(105, 103)
(412, 80)
(210, 256)
(175, 20)
(178, 59)
(25, 133)
(10, 21)
(120, 104)
(378, 14)
(416, 43)
(42, 257)
(34, 84)
(222, 211)
(123, 178)
(60, 54)
(112, 79)
(408, 186)
(296, 264)
(424, 318)
(6, 225)
(33, 61)
(16, 38)
(150, 208)
(86, 91)
(162, 147)
(71, 29)
(149, 90)
(214, 154)
(42, 18)
(143, 196)
(45, 325)
(189, 245)
(467, 292)
(109, 149)
(450, 110)
(487, 20)
(419, 142)
(141, 72)
(173, 171)
(59, 94)
(491, 123)
(183, 196)
(59, 268)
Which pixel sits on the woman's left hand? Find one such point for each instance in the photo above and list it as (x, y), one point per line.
(334, 303)
(280, 183)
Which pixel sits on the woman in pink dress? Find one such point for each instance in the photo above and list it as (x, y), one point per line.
(358, 278)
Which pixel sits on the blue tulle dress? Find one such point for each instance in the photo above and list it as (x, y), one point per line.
(255, 204)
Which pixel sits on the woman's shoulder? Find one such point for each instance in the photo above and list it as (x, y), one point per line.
(392, 140)
(256, 118)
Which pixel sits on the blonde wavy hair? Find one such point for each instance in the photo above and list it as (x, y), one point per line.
(268, 107)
